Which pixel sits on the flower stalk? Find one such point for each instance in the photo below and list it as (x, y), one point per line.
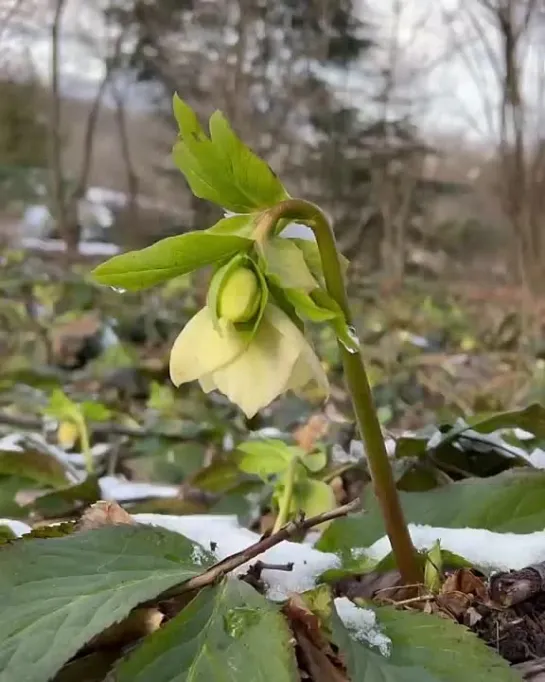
(357, 382)
(287, 494)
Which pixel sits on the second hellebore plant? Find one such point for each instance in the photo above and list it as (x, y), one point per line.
(248, 342)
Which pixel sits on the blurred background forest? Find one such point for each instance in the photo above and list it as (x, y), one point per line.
(418, 125)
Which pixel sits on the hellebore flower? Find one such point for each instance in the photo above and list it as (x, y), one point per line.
(250, 367)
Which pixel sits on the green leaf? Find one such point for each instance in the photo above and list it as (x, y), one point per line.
(62, 407)
(425, 648)
(240, 225)
(307, 308)
(313, 497)
(168, 258)
(222, 169)
(248, 172)
(283, 262)
(312, 257)
(96, 412)
(65, 501)
(219, 635)
(34, 465)
(59, 593)
(509, 502)
(9, 487)
(264, 458)
(531, 419)
(314, 461)
(219, 477)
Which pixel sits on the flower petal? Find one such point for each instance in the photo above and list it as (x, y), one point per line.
(308, 371)
(263, 371)
(200, 350)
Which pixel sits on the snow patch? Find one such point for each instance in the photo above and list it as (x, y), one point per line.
(17, 527)
(117, 488)
(362, 625)
(483, 548)
(224, 536)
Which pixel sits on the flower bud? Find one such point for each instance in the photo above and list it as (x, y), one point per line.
(240, 296)
(67, 434)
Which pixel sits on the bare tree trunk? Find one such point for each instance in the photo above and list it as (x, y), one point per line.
(132, 177)
(58, 192)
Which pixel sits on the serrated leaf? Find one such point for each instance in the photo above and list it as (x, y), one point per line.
(425, 648)
(283, 262)
(247, 171)
(167, 258)
(264, 458)
(510, 502)
(222, 169)
(218, 636)
(59, 593)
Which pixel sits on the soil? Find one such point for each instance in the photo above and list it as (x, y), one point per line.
(507, 611)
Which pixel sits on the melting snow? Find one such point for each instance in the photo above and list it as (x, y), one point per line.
(17, 527)
(362, 625)
(483, 548)
(223, 536)
(117, 488)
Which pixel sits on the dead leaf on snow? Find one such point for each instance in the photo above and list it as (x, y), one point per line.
(103, 513)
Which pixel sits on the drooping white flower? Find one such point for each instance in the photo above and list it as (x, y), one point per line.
(251, 370)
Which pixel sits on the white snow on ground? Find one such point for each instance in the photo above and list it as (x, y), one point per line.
(483, 548)
(362, 625)
(17, 527)
(229, 538)
(117, 488)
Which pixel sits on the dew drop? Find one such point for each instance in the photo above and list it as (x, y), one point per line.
(238, 620)
(351, 341)
(118, 290)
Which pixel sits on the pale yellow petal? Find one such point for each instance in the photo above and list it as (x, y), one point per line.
(308, 372)
(200, 349)
(263, 371)
(207, 383)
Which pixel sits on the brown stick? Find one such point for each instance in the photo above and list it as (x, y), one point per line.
(515, 587)
(229, 564)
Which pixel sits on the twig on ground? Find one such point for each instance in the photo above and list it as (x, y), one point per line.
(229, 564)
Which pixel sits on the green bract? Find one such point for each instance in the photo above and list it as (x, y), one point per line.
(221, 168)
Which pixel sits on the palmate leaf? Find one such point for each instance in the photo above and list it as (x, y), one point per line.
(57, 594)
(221, 168)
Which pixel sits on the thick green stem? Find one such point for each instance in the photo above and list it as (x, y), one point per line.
(357, 381)
(287, 494)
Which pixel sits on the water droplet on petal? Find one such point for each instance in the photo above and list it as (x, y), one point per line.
(118, 290)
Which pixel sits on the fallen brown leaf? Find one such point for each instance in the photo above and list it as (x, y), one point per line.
(103, 513)
(307, 435)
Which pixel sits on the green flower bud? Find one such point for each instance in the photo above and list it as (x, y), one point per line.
(240, 296)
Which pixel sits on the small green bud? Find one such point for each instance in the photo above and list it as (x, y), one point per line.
(240, 296)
